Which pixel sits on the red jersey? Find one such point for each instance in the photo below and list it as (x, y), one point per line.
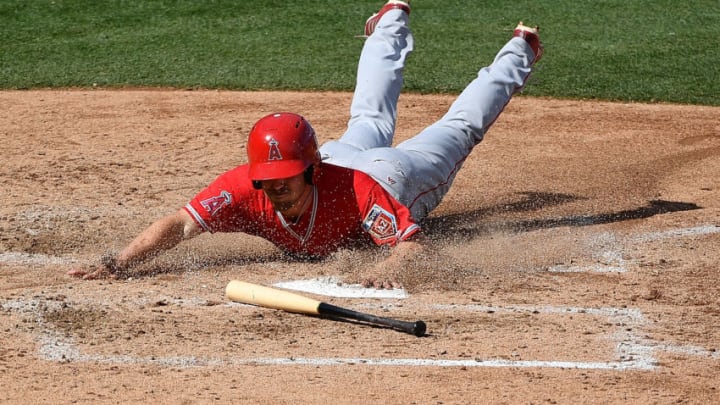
(349, 209)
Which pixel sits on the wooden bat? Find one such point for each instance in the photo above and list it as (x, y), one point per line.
(269, 297)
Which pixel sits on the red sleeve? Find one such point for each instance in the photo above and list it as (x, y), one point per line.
(228, 204)
(384, 218)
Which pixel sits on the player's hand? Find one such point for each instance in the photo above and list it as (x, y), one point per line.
(387, 273)
(380, 282)
(107, 268)
(91, 273)
(382, 275)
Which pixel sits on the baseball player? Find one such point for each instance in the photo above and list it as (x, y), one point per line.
(311, 201)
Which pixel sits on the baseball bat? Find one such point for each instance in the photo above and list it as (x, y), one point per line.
(248, 293)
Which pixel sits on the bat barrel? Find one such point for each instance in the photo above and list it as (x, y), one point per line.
(268, 297)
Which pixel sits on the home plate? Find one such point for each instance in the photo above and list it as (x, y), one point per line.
(332, 287)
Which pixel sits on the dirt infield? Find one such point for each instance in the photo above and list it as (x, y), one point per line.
(586, 236)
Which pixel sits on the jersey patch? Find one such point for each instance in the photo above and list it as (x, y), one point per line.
(380, 224)
(213, 205)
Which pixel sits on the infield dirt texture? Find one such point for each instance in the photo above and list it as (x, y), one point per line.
(584, 239)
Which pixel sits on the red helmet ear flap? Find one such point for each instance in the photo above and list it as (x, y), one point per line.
(281, 145)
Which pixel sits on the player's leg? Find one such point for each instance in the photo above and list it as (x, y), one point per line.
(482, 101)
(379, 80)
(373, 111)
(432, 159)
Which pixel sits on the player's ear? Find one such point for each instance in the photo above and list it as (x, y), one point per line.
(257, 185)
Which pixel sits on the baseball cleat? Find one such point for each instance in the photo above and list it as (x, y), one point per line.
(372, 21)
(532, 37)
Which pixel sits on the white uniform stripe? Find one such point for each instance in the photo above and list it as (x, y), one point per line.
(197, 217)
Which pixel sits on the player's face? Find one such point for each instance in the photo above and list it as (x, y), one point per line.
(287, 193)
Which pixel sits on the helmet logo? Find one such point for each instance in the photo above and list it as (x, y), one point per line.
(274, 153)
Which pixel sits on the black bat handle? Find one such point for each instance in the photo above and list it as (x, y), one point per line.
(416, 328)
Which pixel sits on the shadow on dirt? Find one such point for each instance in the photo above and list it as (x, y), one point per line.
(465, 226)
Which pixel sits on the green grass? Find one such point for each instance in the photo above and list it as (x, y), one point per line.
(631, 50)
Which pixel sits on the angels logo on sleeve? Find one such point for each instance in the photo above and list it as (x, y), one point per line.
(214, 204)
(380, 223)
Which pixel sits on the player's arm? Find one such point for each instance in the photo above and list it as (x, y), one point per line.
(163, 234)
(389, 223)
(402, 258)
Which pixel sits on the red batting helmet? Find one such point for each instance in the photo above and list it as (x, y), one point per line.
(281, 145)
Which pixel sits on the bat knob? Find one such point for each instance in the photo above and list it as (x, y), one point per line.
(419, 328)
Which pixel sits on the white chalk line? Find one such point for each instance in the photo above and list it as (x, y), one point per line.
(631, 352)
(629, 348)
(331, 286)
(60, 349)
(22, 258)
(611, 261)
(595, 268)
(678, 233)
(687, 350)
